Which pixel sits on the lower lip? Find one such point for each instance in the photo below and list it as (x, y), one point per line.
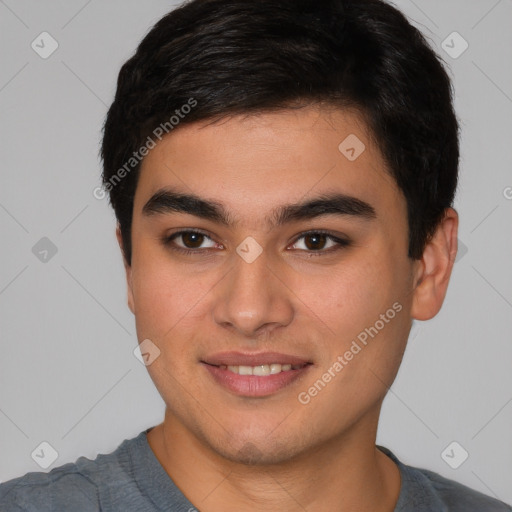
(254, 385)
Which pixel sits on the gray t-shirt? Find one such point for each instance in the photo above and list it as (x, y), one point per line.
(132, 479)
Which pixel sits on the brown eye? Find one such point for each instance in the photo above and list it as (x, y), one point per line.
(319, 242)
(192, 240)
(315, 241)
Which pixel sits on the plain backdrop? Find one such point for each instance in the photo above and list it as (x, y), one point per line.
(68, 375)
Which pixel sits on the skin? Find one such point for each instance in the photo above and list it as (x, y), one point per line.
(230, 453)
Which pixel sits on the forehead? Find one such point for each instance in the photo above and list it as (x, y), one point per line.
(252, 163)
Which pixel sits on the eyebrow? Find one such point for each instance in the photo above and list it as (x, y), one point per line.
(167, 201)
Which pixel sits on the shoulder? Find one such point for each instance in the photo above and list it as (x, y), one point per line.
(81, 485)
(65, 486)
(458, 497)
(423, 490)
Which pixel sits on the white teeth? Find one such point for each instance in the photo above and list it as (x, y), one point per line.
(262, 369)
(275, 368)
(245, 370)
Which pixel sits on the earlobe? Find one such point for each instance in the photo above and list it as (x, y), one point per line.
(435, 268)
(128, 270)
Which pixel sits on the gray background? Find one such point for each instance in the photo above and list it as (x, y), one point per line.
(68, 375)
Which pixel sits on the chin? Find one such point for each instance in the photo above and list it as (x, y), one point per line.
(251, 454)
(256, 450)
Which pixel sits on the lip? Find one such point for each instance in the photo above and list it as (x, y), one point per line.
(254, 385)
(252, 359)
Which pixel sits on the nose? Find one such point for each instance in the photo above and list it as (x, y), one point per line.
(253, 299)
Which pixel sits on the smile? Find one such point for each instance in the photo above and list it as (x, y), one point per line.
(262, 370)
(255, 375)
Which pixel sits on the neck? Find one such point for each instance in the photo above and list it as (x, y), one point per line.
(345, 473)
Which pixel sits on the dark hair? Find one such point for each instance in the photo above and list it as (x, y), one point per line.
(227, 57)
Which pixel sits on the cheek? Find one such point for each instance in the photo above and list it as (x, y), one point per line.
(351, 296)
(366, 308)
(368, 318)
(163, 295)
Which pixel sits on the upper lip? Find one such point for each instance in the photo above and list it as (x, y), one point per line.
(254, 359)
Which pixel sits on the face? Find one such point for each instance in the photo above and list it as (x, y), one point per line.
(270, 269)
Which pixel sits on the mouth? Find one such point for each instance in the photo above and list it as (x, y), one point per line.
(255, 375)
(261, 370)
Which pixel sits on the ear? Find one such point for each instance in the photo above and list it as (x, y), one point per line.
(435, 267)
(128, 270)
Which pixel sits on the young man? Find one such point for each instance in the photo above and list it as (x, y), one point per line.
(282, 173)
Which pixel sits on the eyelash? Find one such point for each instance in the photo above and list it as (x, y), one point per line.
(340, 242)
